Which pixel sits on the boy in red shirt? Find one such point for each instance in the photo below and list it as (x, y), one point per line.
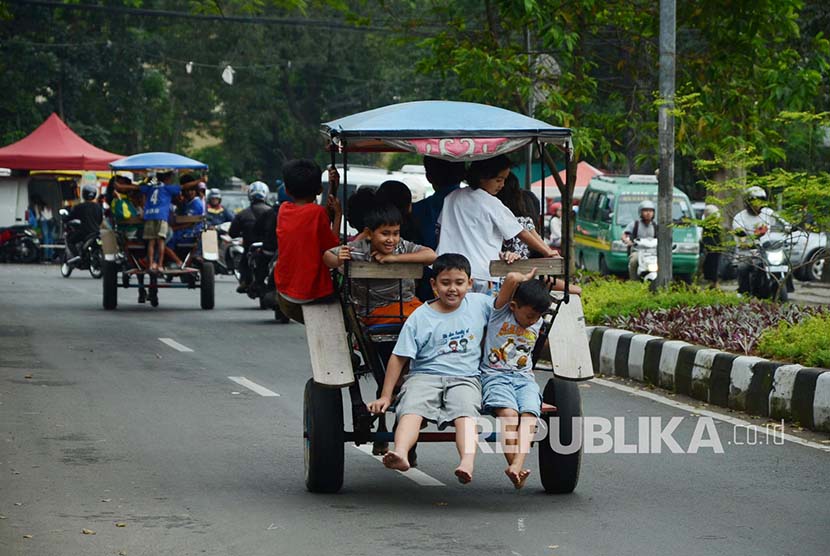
(304, 232)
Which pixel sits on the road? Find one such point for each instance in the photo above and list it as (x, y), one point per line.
(107, 428)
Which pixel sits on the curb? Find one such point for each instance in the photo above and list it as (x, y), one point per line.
(740, 382)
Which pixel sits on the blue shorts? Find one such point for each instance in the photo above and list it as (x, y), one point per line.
(512, 391)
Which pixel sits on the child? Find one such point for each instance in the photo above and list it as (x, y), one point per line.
(398, 194)
(441, 341)
(381, 303)
(477, 208)
(304, 233)
(509, 390)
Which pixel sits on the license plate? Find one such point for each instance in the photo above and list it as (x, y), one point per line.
(779, 268)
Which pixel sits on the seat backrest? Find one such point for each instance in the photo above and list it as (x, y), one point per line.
(553, 266)
(395, 271)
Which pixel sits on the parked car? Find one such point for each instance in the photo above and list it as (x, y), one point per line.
(609, 204)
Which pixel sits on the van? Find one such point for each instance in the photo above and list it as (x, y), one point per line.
(610, 203)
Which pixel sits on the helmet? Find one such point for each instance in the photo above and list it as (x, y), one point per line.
(645, 205)
(214, 194)
(258, 191)
(89, 192)
(710, 210)
(554, 207)
(756, 192)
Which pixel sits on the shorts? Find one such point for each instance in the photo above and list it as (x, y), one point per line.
(511, 391)
(439, 399)
(155, 229)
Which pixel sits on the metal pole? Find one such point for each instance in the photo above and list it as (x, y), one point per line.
(666, 140)
(531, 108)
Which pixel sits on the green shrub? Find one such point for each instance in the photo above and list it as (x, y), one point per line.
(807, 342)
(609, 298)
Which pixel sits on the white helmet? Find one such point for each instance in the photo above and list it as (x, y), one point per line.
(756, 192)
(645, 205)
(258, 191)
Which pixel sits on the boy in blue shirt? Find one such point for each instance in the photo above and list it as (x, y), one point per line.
(509, 389)
(156, 211)
(193, 206)
(441, 341)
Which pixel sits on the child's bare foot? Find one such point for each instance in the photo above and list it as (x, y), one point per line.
(395, 461)
(464, 474)
(517, 476)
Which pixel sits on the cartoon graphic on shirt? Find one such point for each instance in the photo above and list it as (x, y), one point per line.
(515, 352)
(456, 342)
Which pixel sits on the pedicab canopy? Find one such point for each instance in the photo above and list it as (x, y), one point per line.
(158, 161)
(442, 129)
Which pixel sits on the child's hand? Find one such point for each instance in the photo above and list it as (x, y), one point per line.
(509, 257)
(381, 258)
(334, 178)
(518, 277)
(345, 253)
(333, 206)
(380, 405)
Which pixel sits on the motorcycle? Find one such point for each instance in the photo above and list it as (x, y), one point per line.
(646, 258)
(85, 254)
(19, 244)
(230, 251)
(263, 287)
(769, 271)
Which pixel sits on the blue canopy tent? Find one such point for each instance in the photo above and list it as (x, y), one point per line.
(443, 129)
(157, 161)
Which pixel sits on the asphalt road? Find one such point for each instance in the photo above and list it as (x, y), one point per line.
(106, 428)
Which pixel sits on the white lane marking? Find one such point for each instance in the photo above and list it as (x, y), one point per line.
(175, 345)
(261, 390)
(725, 418)
(413, 475)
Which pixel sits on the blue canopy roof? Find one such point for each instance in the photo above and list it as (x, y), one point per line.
(157, 160)
(420, 126)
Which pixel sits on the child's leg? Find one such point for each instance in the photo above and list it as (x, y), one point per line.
(508, 421)
(516, 471)
(465, 442)
(161, 252)
(409, 426)
(151, 250)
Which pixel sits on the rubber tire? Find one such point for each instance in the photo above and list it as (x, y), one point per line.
(109, 277)
(206, 289)
(323, 436)
(560, 472)
(262, 303)
(603, 266)
(66, 269)
(96, 254)
(31, 253)
(806, 272)
(279, 316)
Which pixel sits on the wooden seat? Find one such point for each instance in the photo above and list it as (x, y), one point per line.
(180, 219)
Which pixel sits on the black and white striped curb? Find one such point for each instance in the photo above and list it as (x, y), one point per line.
(744, 383)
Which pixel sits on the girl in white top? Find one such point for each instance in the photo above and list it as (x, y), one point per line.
(475, 223)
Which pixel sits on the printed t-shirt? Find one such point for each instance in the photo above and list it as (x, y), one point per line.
(382, 291)
(158, 197)
(475, 224)
(304, 234)
(509, 346)
(447, 344)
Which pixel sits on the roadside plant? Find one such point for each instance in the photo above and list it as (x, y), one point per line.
(806, 342)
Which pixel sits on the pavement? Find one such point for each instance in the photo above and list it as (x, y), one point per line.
(127, 424)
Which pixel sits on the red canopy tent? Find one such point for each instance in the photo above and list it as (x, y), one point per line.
(53, 145)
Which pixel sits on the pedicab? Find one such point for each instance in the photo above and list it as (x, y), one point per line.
(343, 349)
(125, 254)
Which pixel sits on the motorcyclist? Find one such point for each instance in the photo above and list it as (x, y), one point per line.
(243, 224)
(89, 212)
(265, 230)
(641, 228)
(751, 226)
(216, 213)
